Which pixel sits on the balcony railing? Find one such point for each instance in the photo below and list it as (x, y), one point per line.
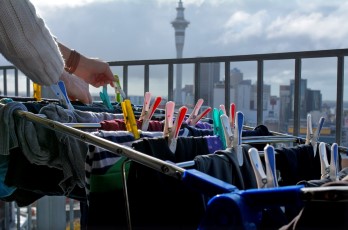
(260, 59)
(226, 61)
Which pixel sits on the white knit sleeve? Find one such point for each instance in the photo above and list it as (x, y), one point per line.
(27, 42)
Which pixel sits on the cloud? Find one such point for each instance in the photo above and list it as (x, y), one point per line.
(64, 3)
(141, 29)
(315, 26)
(242, 26)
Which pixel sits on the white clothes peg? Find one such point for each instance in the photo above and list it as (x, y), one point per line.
(268, 179)
(324, 164)
(312, 138)
(261, 178)
(228, 134)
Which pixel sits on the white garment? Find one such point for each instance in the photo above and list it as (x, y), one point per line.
(27, 42)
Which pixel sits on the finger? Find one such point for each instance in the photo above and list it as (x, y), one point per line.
(90, 100)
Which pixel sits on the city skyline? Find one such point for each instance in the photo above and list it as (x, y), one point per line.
(217, 28)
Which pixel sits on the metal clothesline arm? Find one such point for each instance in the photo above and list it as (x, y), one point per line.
(193, 178)
(152, 162)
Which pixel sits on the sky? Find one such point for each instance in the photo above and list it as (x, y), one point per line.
(117, 30)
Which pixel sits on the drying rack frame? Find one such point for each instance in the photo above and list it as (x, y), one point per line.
(192, 177)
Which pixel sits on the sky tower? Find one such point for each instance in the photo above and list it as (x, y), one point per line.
(179, 25)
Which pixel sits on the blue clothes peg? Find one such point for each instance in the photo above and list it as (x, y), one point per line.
(60, 91)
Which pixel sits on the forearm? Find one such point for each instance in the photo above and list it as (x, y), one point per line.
(73, 64)
(27, 42)
(65, 51)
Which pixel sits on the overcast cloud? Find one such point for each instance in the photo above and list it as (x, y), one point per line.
(140, 29)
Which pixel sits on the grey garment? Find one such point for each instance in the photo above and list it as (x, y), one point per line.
(58, 113)
(67, 150)
(8, 137)
(41, 147)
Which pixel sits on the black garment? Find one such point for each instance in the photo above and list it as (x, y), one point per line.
(189, 147)
(35, 180)
(296, 164)
(159, 201)
(323, 210)
(223, 165)
(259, 130)
(106, 211)
(22, 197)
(39, 178)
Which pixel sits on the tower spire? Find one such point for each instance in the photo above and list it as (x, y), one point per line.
(179, 25)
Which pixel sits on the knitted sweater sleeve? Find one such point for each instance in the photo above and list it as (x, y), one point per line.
(27, 42)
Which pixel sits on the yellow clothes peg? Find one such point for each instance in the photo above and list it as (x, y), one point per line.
(125, 115)
(129, 118)
(37, 91)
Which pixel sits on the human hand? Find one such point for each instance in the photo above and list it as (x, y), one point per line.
(77, 89)
(95, 72)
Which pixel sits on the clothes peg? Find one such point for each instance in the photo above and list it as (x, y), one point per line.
(169, 116)
(222, 107)
(60, 92)
(119, 93)
(272, 181)
(37, 91)
(194, 116)
(217, 126)
(173, 136)
(324, 164)
(232, 114)
(171, 130)
(334, 162)
(228, 134)
(129, 118)
(147, 111)
(309, 134)
(146, 105)
(313, 138)
(237, 136)
(261, 178)
(195, 111)
(200, 116)
(105, 98)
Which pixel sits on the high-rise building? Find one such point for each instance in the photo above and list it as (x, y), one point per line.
(179, 25)
(314, 100)
(285, 107)
(303, 101)
(209, 75)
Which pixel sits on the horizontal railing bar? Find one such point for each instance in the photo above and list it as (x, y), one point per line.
(249, 57)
